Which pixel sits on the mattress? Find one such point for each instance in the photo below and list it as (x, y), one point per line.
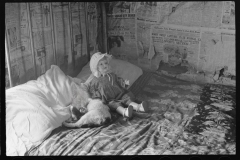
(184, 118)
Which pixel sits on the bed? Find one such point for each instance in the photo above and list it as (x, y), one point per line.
(184, 118)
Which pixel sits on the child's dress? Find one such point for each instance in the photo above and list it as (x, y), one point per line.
(108, 88)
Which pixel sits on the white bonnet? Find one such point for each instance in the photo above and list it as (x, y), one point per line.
(96, 57)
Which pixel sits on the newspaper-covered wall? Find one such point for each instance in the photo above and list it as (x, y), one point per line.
(78, 29)
(18, 42)
(58, 36)
(147, 14)
(62, 33)
(175, 33)
(218, 49)
(42, 36)
(121, 31)
(228, 17)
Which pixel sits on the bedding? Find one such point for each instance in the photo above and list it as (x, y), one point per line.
(184, 118)
(35, 108)
(121, 68)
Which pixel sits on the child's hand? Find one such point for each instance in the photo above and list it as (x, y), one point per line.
(123, 83)
(83, 110)
(126, 83)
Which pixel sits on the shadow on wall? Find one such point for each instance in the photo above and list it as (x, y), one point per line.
(177, 69)
(188, 73)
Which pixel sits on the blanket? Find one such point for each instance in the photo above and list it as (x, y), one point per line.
(184, 118)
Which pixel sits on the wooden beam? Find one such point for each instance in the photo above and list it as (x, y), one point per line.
(104, 27)
(86, 25)
(53, 34)
(31, 39)
(8, 61)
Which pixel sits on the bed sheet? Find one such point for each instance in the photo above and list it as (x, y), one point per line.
(184, 118)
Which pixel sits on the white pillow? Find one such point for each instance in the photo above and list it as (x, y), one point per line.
(35, 108)
(123, 69)
(126, 70)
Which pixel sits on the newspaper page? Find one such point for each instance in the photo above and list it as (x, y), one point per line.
(121, 30)
(148, 11)
(121, 36)
(175, 45)
(228, 19)
(78, 29)
(186, 13)
(62, 32)
(211, 14)
(147, 14)
(143, 43)
(196, 14)
(120, 7)
(217, 50)
(42, 36)
(18, 40)
(164, 11)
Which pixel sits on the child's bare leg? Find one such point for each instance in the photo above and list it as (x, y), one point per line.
(126, 112)
(143, 107)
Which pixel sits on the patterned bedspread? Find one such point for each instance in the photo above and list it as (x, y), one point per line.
(184, 118)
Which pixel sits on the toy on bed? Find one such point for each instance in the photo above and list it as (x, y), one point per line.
(34, 109)
(97, 114)
(85, 111)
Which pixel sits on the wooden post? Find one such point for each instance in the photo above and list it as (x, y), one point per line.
(8, 61)
(31, 38)
(86, 23)
(71, 36)
(53, 35)
(104, 27)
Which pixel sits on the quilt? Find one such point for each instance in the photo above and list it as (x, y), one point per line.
(183, 118)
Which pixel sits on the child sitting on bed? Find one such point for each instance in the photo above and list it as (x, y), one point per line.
(106, 86)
